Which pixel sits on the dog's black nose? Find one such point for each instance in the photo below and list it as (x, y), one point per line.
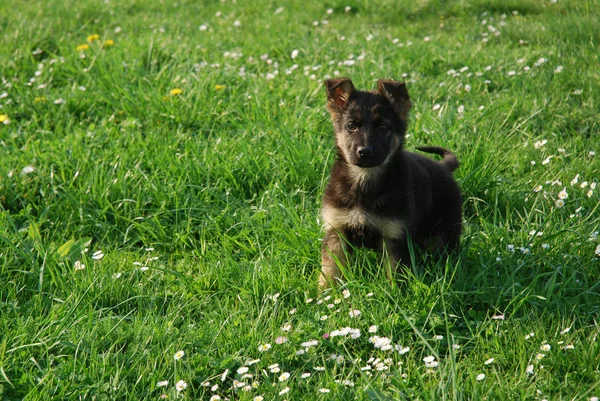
(364, 152)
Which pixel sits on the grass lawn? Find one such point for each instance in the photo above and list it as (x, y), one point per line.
(161, 169)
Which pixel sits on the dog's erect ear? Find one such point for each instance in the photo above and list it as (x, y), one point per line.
(395, 92)
(339, 91)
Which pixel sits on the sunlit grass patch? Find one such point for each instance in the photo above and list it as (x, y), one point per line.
(161, 171)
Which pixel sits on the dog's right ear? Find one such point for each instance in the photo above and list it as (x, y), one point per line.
(339, 91)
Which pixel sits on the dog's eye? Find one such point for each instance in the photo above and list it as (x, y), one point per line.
(351, 127)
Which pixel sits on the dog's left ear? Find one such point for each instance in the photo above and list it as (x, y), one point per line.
(395, 92)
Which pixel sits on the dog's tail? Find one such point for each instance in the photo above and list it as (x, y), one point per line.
(449, 159)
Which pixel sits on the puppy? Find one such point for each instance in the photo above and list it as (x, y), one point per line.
(379, 195)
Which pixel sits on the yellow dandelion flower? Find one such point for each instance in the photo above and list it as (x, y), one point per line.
(39, 99)
(109, 42)
(4, 119)
(93, 37)
(82, 47)
(219, 87)
(176, 92)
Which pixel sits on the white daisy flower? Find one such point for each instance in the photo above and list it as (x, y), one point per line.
(308, 344)
(180, 385)
(27, 170)
(98, 255)
(382, 343)
(529, 369)
(264, 347)
(354, 313)
(563, 194)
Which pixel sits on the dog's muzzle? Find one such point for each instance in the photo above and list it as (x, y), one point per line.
(365, 157)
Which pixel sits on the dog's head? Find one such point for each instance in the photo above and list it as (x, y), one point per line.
(369, 126)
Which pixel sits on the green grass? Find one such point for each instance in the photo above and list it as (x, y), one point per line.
(206, 204)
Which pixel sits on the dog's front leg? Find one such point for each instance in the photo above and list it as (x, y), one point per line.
(332, 252)
(398, 257)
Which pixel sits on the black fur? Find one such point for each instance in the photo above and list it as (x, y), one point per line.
(387, 194)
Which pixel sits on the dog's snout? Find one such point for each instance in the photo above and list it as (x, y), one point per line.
(364, 152)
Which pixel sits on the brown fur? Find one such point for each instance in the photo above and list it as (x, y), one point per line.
(379, 195)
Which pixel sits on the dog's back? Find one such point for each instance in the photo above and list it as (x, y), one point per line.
(438, 222)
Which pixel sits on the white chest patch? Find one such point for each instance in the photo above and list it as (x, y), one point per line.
(363, 176)
(340, 219)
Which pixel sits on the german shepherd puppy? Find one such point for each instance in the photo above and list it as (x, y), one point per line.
(380, 195)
